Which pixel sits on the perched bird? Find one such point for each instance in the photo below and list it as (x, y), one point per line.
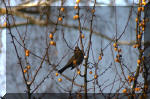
(74, 61)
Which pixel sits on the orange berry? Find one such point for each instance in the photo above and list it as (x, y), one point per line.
(100, 57)
(82, 35)
(119, 50)
(5, 24)
(27, 52)
(62, 9)
(95, 76)
(115, 48)
(124, 91)
(78, 72)
(136, 19)
(134, 46)
(130, 80)
(144, 3)
(25, 70)
(138, 61)
(143, 24)
(90, 72)
(76, 7)
(139, 36)
(74, 62)
(93, 10)
(133, 78)
(59, 79)
(75, 17)
(60, 19)
(137, 89)
(117, 60)
(56, 74)
(143, 29)
(52, 43)
(129, 77)
(143, 20)
(51, 36)
(77, 1)
(28, 67)
(115, 44)
(139, 9)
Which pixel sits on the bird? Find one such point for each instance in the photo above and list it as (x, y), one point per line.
(74, 61)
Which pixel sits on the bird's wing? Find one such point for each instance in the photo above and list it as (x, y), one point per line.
(70, 60)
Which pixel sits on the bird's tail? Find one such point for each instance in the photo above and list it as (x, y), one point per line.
(63, 69)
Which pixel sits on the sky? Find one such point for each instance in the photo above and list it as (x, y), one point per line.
(3, 54)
